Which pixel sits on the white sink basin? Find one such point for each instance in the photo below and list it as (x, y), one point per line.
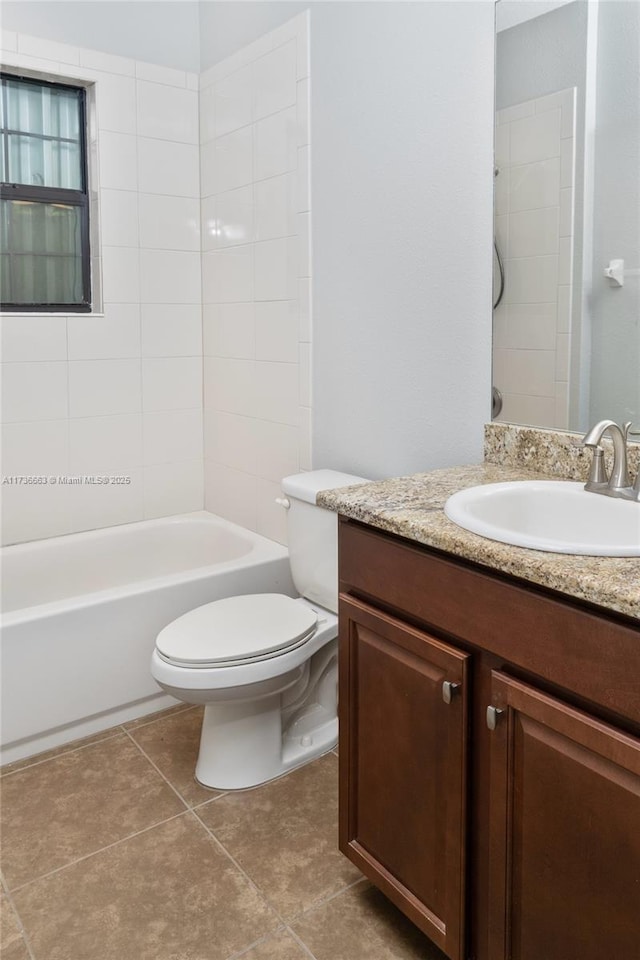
(553, 515)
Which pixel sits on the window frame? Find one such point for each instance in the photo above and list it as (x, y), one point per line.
(34, 193)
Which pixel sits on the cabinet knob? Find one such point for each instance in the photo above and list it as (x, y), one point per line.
(448, 690)
(493, 715)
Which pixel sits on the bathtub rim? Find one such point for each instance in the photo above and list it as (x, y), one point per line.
(262, 549)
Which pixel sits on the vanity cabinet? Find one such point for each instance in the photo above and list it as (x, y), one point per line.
(489, 755)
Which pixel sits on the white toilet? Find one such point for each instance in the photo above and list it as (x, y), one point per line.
(265, 665)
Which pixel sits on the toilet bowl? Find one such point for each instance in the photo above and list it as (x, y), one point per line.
(265, 665)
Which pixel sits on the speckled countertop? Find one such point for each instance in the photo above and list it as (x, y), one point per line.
(412, 507)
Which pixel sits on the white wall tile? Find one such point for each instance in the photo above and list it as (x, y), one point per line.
(157, 74)
(48, 49)
(566, 212)
(115, 102)
(235, 217)
(232, 164)
(173, 488)
(277, 331)
(531, 280)
(530, 372)
(533, 185)
(534, 233)
(207, 114)
(233, 106)
(120, 274)
(526, 326)
(276, 269)
(304, 374)
(304, 309)
(171, 330)
(230, 439)
(209, 224)
(536, 137)
(537, 411)
(564, 308)
(275, 206)
(102, 505)
(271, 519)
(30, 338)
(119, 218)
(274, 81)
(38, 448)
(276, 450)
(305, 434)
(229, 330)
(168, 168)
(34, 512)
(118, 161)
(105, 444)
(516, 112)
(562, 357)
(107, 62)
(104, 387)
(302, 112)
(276, 387)
(171, 384)
(228, 275)
(34, 391)
(303, 224)
(566, 162)
(167, 113)
(303, 40)
(303, 180)
(230, 386)
(564, 260)
(275, 144)
(502, 146)
(172, 436)
(231, 494)
(114, 336)
(8, 40)
(169, 223)
(169, 276)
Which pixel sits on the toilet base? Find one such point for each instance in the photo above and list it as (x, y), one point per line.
(242, 744)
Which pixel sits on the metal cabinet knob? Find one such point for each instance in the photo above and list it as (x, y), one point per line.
(493, 715)
(448, 690)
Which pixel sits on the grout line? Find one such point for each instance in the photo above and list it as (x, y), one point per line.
(244, 873)
(300, 943)
(94, 853)
(117, 731)
(256, 943)
(14, 909)
(157, 769)
(321, 903)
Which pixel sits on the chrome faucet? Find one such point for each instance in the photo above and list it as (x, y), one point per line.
(618, 483)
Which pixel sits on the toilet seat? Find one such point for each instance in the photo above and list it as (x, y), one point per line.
(240, 629)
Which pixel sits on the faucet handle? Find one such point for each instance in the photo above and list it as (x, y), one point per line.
(597, 474)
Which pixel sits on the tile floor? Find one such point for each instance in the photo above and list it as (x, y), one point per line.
(112, 851)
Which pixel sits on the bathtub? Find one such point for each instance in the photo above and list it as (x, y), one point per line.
(81, 614)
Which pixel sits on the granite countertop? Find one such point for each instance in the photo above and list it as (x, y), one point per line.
(412, 507)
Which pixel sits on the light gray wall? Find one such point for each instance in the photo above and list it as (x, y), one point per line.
(161, 31)
(402, 179)
(615, 360)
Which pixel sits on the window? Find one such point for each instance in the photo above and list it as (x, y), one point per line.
(44, 204)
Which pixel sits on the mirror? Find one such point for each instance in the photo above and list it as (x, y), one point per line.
(566, 338)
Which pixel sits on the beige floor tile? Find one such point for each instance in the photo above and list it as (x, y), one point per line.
(57, 811)
(58, 751)
(172, 743)
(167, 894)
(361, 924)
(281, 946)
(285, 835)
(12, 946)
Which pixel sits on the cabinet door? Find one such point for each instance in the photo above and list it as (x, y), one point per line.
(564, 831)
(403, 718)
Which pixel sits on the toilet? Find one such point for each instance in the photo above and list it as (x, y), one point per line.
(265, 665)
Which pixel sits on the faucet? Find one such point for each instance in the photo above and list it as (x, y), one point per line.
(618, 484)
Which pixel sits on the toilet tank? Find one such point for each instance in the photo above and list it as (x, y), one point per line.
(313, 534)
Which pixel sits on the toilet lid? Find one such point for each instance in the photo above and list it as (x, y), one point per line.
(244, 628)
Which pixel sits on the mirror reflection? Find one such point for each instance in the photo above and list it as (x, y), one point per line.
(566, 331)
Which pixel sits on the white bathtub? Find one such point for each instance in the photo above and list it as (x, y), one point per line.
(81, 614)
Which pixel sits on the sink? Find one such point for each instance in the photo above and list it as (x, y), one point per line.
(554, 515)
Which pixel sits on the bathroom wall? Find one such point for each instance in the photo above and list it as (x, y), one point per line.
(119, 392)
(254, 116)
(534, 206)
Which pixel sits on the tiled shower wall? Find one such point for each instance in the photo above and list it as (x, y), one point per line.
(534, 204)
(254, 161)
(117, 392)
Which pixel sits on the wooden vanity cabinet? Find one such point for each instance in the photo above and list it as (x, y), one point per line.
(519, 842)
